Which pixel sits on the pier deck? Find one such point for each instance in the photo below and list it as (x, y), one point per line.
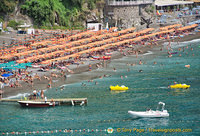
(64, 101)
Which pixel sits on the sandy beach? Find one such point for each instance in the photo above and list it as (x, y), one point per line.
(42, 85)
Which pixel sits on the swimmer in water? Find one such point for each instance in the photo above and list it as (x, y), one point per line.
(62, 88)
(140, 70)
(140, 62)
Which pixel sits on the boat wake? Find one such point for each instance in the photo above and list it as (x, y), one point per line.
(163, 87)
(148, 53)
(182, 44)
(18, 96)
(192, 41)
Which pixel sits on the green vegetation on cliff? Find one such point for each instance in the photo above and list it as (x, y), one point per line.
(68, 13)
(7, 6)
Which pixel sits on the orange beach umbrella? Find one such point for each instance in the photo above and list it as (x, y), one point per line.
(187, 27)
(170, 26)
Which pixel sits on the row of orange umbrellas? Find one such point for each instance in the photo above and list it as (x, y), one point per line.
(59, 40)
(100, 48)
(169, 27)
(187, 27)
(28, 51)
(118, 43)
(30, 59)
(105, 41)
(74, 48)
(59, 46)
(87, 45)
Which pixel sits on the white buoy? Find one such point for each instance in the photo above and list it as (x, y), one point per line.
(82, 103)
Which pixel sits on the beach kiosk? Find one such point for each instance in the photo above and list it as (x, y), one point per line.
(94, 26)
(23, 29)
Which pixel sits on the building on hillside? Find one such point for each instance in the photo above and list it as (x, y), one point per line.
(127, 13)
(171, 5)
(196, 2)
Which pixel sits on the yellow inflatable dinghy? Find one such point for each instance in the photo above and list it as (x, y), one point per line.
(184, 86)
(118, 88)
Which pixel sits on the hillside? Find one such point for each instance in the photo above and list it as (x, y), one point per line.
(50, 13)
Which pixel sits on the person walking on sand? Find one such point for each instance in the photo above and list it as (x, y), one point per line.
(46, 77)
(50, 82)
(136, 53)
(38, 94)
(90, 67)
(37, 77)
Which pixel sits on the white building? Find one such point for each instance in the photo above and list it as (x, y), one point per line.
(173, 4)
(94, 26)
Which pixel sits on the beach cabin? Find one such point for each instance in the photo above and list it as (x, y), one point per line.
(31, 31)
(23, 29)
(94, 26)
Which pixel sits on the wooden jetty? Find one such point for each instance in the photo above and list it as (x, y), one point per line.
(65, 101)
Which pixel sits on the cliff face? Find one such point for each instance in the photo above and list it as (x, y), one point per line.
(68, 13)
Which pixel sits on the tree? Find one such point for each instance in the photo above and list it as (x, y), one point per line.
(7, 6)
(146, 21)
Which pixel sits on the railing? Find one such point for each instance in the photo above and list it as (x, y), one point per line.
(123, 3)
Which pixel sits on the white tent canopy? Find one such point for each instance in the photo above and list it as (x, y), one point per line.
(162, 3)
(24, 25)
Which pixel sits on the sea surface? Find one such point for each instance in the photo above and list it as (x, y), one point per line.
(109, 109)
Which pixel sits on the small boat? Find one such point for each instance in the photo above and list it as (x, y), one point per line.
(38, 104)
(118, 88)
(96, 57)
(150, 113)
(187, 66)
(106, 57)
(108, 54)
(184, 86)
(173, 53)
(36, 66)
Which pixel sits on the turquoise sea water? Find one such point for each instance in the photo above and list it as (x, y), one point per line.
(110, 109)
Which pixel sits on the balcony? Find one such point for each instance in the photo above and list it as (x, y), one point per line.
(128, 3)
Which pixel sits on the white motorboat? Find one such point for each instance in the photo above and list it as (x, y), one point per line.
(150, 113)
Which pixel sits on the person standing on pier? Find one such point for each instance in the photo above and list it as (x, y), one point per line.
(45, 99)
(42, 94)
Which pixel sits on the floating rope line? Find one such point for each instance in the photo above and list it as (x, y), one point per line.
(55, 131)
(76, 131)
